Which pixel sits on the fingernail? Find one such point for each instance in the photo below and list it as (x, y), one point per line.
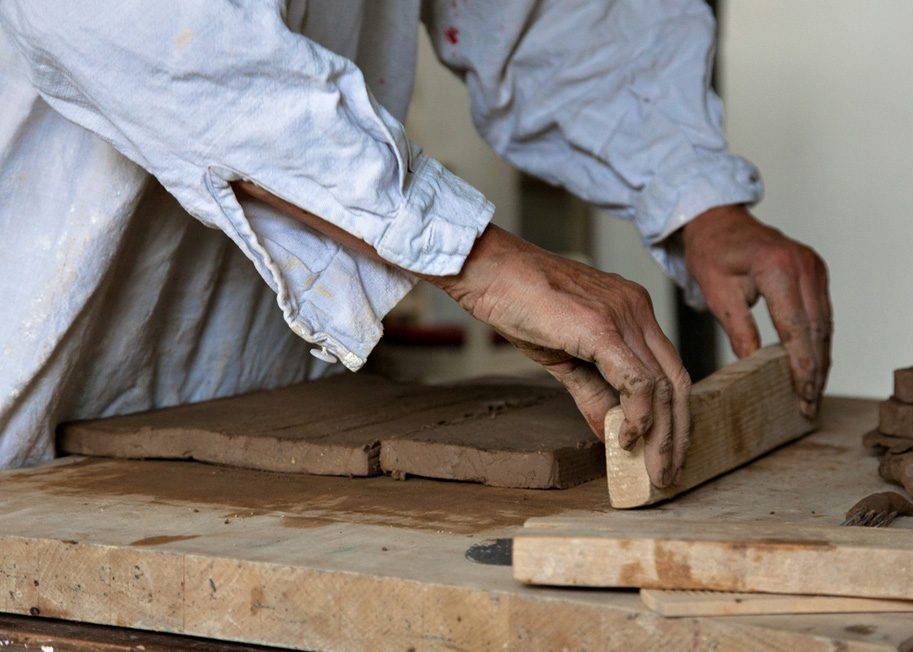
(678, 476)
(628, 439)
(809, 408)
(668, 476)
(808, 391)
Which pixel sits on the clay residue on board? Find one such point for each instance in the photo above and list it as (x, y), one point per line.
(157, 541)
(304, 501)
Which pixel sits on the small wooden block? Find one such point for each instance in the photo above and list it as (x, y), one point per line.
(903, 385)
(738, 414)
(895, 418)
(672, 604)
(745, 557)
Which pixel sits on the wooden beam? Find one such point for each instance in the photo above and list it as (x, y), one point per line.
(738, 413)
(692, 604)
(747, 557)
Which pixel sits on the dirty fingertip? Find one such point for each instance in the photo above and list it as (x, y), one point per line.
(627, 438)
(809, 408)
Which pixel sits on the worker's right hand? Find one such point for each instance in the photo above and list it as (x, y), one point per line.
(571, 318)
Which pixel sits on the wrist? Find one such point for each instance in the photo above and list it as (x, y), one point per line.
(479, 269)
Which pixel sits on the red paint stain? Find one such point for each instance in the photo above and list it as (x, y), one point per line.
(453, 35)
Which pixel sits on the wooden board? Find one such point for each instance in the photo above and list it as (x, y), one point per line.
(366, 564)
(738, 414)
(741, 557)
(673, 604)
(499, 434)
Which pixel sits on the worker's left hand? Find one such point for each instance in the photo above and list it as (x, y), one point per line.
(735, 259)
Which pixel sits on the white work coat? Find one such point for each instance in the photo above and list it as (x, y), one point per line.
(122, 121)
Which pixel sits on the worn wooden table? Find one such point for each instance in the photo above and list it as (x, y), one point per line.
(319, 563)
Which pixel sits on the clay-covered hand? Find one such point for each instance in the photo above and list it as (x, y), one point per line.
(736, 259)
(572, 318)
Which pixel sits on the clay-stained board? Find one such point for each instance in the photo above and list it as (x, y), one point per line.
(738, 413)
(513, 435)
(327, 563)
(740, 557)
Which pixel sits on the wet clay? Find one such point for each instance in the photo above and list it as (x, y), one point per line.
(903, 385)
(506, 435)
(898, 468)
(896, 418)
(882, 443)
(304, 501)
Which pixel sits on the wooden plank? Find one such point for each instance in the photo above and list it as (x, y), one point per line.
(738, 414)
(740, 557)
(512, 435)
(326, 563)
(681, 603)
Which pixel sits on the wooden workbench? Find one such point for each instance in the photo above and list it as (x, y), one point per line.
(319, 563)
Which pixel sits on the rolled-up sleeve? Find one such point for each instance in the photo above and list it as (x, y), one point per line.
(205, 93)
(609, 99)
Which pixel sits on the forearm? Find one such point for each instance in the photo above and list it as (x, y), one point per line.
(470, 282)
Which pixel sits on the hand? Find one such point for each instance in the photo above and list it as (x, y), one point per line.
(571, 318)
(735, 259)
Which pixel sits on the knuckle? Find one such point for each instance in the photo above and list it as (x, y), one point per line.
(681, 380)
(639, 383)
(639, 296)
(663, 390)
(783, 258)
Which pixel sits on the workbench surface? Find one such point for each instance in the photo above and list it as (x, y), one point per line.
(322, 563)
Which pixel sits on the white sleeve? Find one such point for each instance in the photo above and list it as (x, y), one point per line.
(204, 93)
(607, 98)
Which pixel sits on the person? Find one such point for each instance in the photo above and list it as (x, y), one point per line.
(278, 124)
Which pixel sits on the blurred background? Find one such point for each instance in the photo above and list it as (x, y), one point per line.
(819, 95)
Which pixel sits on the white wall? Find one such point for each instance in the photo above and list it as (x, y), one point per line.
(819, 94)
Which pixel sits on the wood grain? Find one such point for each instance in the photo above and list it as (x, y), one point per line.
(326, 563)
(740, 557)
(738, 414)
(681, 603)
(500, 434)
